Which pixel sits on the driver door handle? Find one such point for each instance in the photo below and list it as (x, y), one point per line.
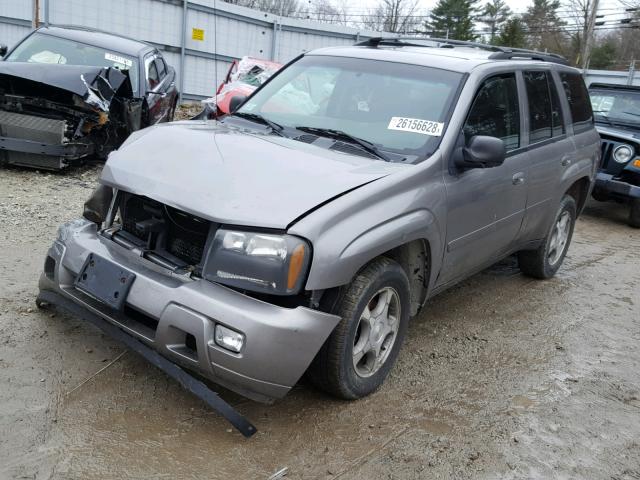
(518, 178)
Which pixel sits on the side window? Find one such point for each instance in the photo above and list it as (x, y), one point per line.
(545, 115)
(152, 75)
(579, 103)
(495, 111)
(160, 66)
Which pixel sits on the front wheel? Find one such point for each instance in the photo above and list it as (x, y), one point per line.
(360, 352)
(546, 260)
(634, 213)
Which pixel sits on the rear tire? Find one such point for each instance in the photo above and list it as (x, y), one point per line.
(544, 262)
(634, 213)
(360, 352)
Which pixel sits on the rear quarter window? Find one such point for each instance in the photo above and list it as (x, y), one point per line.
(579, 102)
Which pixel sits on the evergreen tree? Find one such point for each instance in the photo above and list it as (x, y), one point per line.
(453, 18)
(603, 56)
(544, 27)
(512, 34)
(494, 14)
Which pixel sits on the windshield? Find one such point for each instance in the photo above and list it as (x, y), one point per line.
(42, 48)
(616, 105)
(397, 107)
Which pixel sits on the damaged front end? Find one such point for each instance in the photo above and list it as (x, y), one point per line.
(52, 115)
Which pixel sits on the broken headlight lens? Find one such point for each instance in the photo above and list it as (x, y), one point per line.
(260, 262)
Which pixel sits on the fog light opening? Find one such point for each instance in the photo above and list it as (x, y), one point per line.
(229, 339)
(49, 267)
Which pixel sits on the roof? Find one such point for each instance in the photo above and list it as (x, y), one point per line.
(458, 57)
(98, 38)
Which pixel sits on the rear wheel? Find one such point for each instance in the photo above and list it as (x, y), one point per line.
(634, 213)
(360, 352)
(546, 260)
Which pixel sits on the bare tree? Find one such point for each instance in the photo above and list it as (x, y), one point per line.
(392, 16)
(284, 8)
(329, 12)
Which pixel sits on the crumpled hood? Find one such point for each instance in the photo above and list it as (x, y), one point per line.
(230, 176)
(94, 85)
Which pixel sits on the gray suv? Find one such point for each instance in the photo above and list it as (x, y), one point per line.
(303, 231)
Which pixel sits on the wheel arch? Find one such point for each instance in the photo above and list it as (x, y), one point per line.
(579, 190)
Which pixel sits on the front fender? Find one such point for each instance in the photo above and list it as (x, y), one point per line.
(354, 229)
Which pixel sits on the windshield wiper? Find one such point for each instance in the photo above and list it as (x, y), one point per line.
(254, 117)
(632, 113)
(339, 134)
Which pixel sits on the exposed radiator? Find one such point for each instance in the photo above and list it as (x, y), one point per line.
(38, 129)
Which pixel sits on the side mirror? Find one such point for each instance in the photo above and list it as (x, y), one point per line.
(235, 102)
(3, 50)
(482, 152)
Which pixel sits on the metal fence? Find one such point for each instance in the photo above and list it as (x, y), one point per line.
(198, 37)
(629, 77)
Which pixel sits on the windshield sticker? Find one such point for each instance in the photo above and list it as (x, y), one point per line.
(416, 125)
(118, 59)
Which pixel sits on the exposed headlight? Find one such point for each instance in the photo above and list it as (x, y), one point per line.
(623, 153)
(260, 262)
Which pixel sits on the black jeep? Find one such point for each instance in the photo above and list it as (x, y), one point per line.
(617, 116)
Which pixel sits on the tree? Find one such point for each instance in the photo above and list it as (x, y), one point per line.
(453, 19)
(392, 16)
(284, 8)
(603, 56)
(544, 27)
(494, 14)
(328, 12)
(512, 34)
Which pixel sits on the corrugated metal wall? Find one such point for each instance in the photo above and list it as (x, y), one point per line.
(228, 32)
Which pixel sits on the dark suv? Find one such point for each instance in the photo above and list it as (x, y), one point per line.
(617, 111)
(303, 231)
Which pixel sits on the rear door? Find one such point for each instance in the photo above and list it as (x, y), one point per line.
(486, 206)
(551, 150)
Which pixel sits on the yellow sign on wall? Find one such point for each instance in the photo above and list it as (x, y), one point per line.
(197, 34)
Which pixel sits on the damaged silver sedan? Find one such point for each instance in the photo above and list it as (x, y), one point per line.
(70, 93)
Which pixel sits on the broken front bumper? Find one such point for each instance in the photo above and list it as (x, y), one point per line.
(165, 311)
(606, 183)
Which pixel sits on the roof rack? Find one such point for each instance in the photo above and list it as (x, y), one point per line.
(499, 53)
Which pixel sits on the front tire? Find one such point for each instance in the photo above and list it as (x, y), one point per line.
(634, 213)
(544, 262)
(360, 352)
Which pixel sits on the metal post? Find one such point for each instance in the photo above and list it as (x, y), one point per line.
(35, 17)
(632, 71)
(183, 43)
(46, 12)
(588, 40)
(274, 39)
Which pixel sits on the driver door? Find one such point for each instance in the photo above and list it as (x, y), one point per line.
(486, 206)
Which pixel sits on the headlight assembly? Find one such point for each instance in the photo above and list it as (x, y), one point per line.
(260, 262)
(623, 153)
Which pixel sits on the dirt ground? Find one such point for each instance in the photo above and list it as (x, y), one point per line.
(501, 377)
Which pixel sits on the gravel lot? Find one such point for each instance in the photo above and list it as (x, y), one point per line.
(500, 377)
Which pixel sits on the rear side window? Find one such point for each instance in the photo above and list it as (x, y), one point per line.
(579, 103)
(545, 116)
(495, 111)
(153, 79)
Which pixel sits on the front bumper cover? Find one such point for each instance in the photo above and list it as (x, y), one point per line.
(280, 342)
(606, 183)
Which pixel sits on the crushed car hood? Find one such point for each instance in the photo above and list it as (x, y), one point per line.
(230, 176)
(96, 86)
